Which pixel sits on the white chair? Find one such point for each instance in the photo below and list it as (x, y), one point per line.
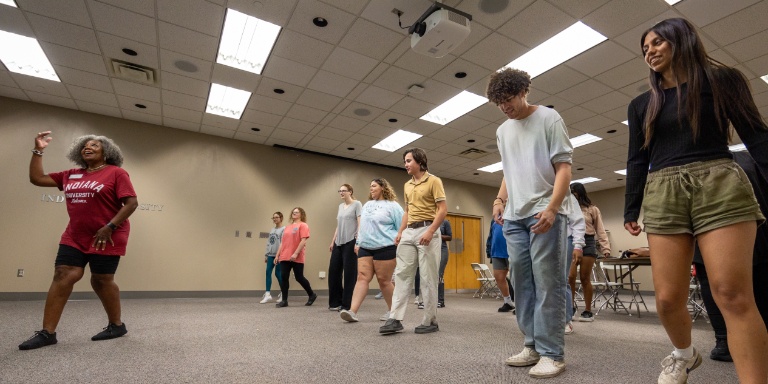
(611, 291)
(695, 301)
(485, 283)
(493, 287)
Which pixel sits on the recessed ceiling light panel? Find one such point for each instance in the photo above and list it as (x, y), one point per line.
(226, 101)
(397, 140)
(621, 172)
(9, 2)
(584, 139)
(246, 42)
(586, 180)
(491, 168)
(23, 55)
(454, 108)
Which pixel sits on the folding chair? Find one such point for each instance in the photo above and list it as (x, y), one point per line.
(485, 284)
(634, 286)
(493, 287)
(695, 301)
(611, 291)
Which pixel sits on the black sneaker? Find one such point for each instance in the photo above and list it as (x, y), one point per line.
(391, 326)
(111, 331)
(587, 316)
(311, 299)
(281, 304)
(440, 304)
(506, 307)
(421, 329)
(41, 339)
(721, 352)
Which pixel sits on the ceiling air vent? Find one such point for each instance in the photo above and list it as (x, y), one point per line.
(473, 153)
(133, 72)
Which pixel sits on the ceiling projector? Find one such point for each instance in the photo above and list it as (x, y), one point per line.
(439, 30)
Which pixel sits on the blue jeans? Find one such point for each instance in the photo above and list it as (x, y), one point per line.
(270, 266)
(568, 293)
(537, 263)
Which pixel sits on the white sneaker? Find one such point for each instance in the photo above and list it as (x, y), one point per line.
(280, 296)
(379, 295)
(385, 316)
(348, 316)
(417, 301)
(676, 370)
(568, 328)
(267, 298)
(547, 368)
(527, 357)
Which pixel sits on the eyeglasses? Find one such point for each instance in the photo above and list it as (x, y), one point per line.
(342, 191)
(275, 217)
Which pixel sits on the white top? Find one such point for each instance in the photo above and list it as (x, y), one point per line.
(529, 148)
(576, 224)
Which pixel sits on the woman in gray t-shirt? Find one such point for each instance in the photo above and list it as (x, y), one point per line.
(343, 264)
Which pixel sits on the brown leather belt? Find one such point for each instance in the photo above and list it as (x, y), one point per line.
(420, 224)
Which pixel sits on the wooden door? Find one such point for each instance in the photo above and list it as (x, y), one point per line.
(464, 249)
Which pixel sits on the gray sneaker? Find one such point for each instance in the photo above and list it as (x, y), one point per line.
(348, 316)
(111, 331)
(385, 316)
(676, 370)
(422, 329)
(391, 326)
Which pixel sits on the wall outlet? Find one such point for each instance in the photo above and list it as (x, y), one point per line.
(249, 234)
(322, 274)
(20, 272)
(237, 233)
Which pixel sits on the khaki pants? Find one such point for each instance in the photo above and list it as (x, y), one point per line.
(411, 255)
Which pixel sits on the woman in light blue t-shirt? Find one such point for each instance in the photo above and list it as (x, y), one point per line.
(376, 249)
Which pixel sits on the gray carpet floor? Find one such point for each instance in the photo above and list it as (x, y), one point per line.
(237, 340)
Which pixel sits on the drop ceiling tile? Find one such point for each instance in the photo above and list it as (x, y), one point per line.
(70, 11)
(474, 73)
(99, 109)
(341, 106)
(630, 39)
(142, 117)
(338, 21)
(488, 112)
(177, 113)
(487, 131)
(187, 41)
(182, 100)
(575, 114)
(45, 98)
(350, 64)
(635, 89)
(412, 107)
(578, 9)
(704, 12)
(494, 52)
(336, 134)
(13, 20)
(601, 58)
(593, 124)
(356, 91)
(83, 79)
(268, 85)
(268, 104)
(112, 47)
(318, 100)
(739, 25)
(217, 131)
(301, 48)
(296, 125)
(467, 123)
(74, 58)
(62, 33)
(180, 124)
(305, 113)
(750, 47)
(447, 134)
(169, 58)
(13, 92)
(479, 32)
(630, 72)
(6, 79)
(379, 97)
(139, 91)
(128, 104)
(422, 127)
(347, 123)
(370, 39)
(536, 24)
(120, 22)
(36, 84)
(616, 17)
(352, 6)
(429, 143)
(380, 12)
(235, 78)
(262, 118)
(197, 15)
(723, 57)
(92, 96)
(425, 66)
(607, 102)
(384, 119)
(334, 84)
(362, 140)
(401, 48)
(289, 71)
(322, 142)
(185, 85)
(398, 80)
(220, 121)
(361, 111)
(493, 14)
(557, 79)
(287, 136)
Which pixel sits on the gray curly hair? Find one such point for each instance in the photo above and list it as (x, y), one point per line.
(112, 153)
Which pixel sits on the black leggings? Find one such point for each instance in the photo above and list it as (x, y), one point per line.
(298, 272)
(343, 267)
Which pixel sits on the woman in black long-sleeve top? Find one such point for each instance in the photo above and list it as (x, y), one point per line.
(680, 171)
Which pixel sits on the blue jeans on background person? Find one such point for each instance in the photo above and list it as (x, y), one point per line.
(568, 293)
(539, 293)
(270, 266)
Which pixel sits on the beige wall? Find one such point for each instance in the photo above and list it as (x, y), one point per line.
(208, 187)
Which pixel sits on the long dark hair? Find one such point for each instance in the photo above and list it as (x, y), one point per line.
(728, 85)
(580, 192)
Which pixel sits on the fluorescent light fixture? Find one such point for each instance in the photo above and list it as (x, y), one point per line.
(22, 54)
(491, 168)
(585, 180)
(621, 172)
(226, 101)
(397, 140)
(584, 139)
(625, 122)
(764, 78)
(246, 42)
(737, 148)
(454, 108)
(673, 2)
(559, 48)
(9, 2)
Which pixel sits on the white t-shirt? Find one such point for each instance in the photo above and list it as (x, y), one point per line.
(529, 149)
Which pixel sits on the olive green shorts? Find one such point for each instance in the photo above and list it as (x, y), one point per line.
(698, 197)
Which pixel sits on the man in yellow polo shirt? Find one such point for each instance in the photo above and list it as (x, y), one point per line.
(418, 243)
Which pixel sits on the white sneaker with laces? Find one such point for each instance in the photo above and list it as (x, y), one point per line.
(379, 295)
(547, 368)
(266, 299)
(568, 328)
(348, 316)
(384, 317)
(676, 370)
(280, 296)
(527, 357)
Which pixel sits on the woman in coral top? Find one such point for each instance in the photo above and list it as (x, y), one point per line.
(290, 255)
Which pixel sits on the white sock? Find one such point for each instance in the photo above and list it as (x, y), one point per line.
(685, 353)
(508, 300)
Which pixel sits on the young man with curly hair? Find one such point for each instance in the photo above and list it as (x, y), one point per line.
(536, 157)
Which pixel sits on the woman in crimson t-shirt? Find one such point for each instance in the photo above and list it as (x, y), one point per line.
(290, 255)
(99, 198)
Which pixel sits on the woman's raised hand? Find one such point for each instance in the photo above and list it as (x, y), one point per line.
(42, 139)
